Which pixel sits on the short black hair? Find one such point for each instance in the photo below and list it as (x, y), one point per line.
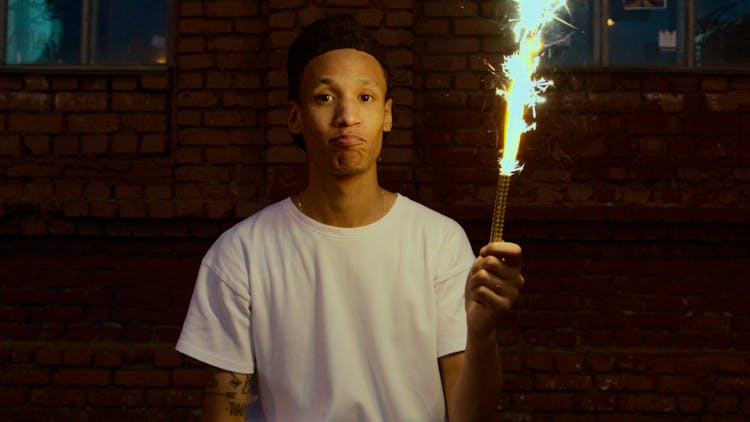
(326, 34)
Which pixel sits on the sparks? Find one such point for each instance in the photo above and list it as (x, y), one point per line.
(523, 91)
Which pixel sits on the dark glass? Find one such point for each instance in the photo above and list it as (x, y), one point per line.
(646, 32)
(570, 42)
(43, 32)
(133, 31)
(722, 33)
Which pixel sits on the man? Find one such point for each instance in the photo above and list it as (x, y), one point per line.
(347, 302)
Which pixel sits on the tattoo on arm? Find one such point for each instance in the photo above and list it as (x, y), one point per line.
(247, 384)
(229, 394)
(236, 390)
(237, 409)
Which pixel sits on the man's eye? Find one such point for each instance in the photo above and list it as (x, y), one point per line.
(324, 98)
(366, 97)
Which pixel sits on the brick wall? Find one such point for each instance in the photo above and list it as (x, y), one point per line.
(632, 212)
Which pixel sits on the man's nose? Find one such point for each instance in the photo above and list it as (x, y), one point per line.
(347, 112)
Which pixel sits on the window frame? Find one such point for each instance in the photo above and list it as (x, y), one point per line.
(601, 48)
(88, 26)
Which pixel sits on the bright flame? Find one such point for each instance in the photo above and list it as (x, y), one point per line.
(523, 91)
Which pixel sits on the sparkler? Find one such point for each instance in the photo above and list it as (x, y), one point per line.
(521, 94)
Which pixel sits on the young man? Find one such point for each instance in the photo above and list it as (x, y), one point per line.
(347, 302)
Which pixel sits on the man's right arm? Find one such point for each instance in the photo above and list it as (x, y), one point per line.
(226, 396)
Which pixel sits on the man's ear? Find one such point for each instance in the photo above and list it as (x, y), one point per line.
(388, 119)
(295, 118)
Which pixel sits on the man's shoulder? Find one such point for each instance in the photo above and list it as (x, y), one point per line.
(424, 213)
(252, 227)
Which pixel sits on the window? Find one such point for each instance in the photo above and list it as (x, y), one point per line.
(651, 33)
(722, 33)
(84, 32)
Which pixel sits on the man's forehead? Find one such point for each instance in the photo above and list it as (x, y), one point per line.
(327, 80)
(336, 65)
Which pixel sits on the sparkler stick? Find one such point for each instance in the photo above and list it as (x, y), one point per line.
(521, 95)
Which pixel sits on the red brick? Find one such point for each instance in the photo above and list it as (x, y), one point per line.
(116, 397)
(124, 83)
(142, 122)
(57, 314)
(138, 102)
(132, 209)
(544, 402)
(64, 83)
(231, 43)
(80, 101)
(94, 83)
(155, 82)
(57, 397)
(647, 403)
(559, 382)
(11, 82)
(98, 123)
(191, 8)
(82, 377)
(204, 137)
(77, 358)
(108, 359)
(12, 396)
(37, 144)
(203, 99)
(24, 376)
(189, 377)
(24, 101)
(10, 145)
(94, 144)
(36, 82)
(49, 357)
(230, 118)
(192, 397)
(722, 404)
(141, 378)
(241, 61)
(231, 8)
(187, 80)
(195, 61)
(287, 4)
(35, 122)
(124, 143)
(448, 8)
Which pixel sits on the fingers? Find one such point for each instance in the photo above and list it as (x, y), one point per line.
(507, 288)
(491, 299)
(507, 252)
(496, 278)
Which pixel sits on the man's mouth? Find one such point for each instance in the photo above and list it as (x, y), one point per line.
(346, 140)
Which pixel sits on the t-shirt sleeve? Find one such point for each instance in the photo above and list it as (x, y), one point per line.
(455, 261)
(217, 326)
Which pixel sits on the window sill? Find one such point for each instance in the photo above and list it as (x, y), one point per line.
(85, 70)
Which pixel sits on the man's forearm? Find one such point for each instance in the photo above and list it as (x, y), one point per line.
(477, 390)
(226, 396)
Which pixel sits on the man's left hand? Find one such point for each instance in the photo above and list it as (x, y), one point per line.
(492, 286)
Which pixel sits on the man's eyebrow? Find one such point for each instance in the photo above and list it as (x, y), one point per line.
(329, 81)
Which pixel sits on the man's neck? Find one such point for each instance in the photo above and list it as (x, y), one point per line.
(345, 202)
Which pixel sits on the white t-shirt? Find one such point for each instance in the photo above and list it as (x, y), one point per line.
(337, 324)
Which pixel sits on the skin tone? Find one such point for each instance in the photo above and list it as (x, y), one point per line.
(342, 113)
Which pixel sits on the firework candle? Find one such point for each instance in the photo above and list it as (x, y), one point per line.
(521, 93)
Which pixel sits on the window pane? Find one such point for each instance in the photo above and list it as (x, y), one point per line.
(722, 33)
(646, 32)
(133, 31)
(43, 31)
(571, 42)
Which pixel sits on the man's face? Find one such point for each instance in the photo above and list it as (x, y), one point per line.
(342, 112)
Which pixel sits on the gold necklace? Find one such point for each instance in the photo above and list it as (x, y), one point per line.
(298, 201)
